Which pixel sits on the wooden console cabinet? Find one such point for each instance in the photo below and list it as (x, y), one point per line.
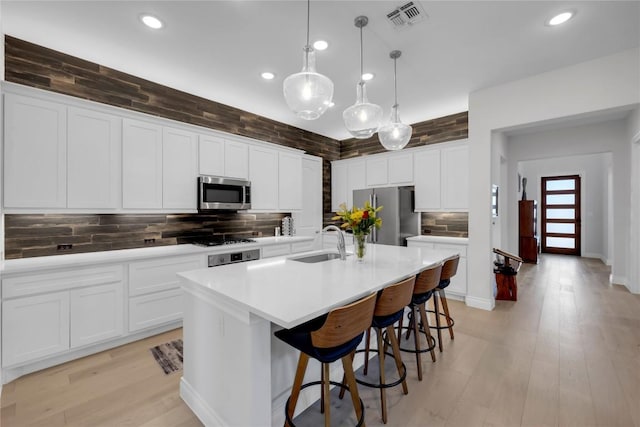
(528, 235)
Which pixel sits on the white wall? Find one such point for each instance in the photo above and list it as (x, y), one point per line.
(634, 250)
(599, 85)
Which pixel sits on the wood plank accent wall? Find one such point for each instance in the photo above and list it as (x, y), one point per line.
(443, 129)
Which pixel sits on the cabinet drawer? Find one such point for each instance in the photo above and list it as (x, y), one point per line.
(151, 310)
(303, 246)
(160, 274)
(275, 250)
(48, 282)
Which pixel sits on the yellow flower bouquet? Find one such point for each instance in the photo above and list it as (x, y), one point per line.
(360, 222)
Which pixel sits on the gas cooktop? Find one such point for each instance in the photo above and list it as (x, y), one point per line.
(219, 241)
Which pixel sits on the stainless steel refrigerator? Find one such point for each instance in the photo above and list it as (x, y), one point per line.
(399, 220)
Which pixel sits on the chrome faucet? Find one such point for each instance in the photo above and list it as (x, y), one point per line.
(341, 246)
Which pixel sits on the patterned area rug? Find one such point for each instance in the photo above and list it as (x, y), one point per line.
(168, 356)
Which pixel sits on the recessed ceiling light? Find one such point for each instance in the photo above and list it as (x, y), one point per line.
(367, 76)
(151, 21)
(320, 45)
(560, 18)
(268, 75)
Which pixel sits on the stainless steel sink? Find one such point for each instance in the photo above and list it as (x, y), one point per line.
(326, 256)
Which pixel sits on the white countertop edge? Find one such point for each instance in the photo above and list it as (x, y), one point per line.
(23, 265)
(440, 239)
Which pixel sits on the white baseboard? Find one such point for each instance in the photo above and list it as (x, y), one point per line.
(618, 280)
(205, 414)
(482, 303)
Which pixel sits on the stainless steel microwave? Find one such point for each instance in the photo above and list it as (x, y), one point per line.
(220, 193)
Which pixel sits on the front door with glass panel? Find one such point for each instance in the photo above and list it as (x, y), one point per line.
(561, 214)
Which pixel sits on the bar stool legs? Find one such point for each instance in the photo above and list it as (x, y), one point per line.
(297, 384)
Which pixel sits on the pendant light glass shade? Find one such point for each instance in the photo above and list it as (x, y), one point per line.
(308, 93)
(362, 119)
(395, 135)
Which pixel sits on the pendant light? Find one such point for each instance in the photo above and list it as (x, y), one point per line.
(362, 119)
(395, 135)
(308, 93)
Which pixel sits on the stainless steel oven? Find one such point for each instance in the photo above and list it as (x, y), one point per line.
(220, 193)
(233, 257)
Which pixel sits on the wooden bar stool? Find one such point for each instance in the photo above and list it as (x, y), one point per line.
(423, 290)
(389, 309)
(327, 339)
(449, 270)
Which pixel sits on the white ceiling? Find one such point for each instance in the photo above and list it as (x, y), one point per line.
(217, 49)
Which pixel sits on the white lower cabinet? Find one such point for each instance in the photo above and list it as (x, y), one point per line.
(73, 308)
(96, 314)
(43, 330)
(155, 297)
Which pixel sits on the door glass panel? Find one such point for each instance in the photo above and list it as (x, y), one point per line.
(561, 184)
(561, 213)
(561, 199)
(561, 228)
(561, 242)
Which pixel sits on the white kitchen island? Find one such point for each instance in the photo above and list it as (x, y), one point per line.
(235, 372)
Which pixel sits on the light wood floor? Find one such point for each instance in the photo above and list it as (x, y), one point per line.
(567, 353)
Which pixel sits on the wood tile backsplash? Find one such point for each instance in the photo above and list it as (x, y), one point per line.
(50, 234)
(451, 224)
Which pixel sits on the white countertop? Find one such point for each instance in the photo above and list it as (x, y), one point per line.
(24, 265)
(289, 292)
(440, 239)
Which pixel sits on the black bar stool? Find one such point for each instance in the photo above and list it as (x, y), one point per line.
(426, 282)
(389, 309)
(327, 339)
(449, 270)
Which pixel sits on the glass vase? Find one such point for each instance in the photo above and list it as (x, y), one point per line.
(360, 246)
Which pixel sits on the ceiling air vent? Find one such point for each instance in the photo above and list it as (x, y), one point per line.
(406, 15)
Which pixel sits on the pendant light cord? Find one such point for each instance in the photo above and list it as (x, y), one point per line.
(308, 19)
(395, 82)
(361, 56)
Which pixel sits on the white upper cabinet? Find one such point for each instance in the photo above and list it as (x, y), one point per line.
(442, 178)
(236, 160)
(179, 169)
(346, 176)
(308, 221)
(264, 178)
(63, 154)
(377, 173)
(455, 178)
(400, 168)
(439, 173)
(35, 153)
(211, 160)
(338, 184)
(289, 181)
(221, 157)
(426, 172)
(93, 159)
(141, 165)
